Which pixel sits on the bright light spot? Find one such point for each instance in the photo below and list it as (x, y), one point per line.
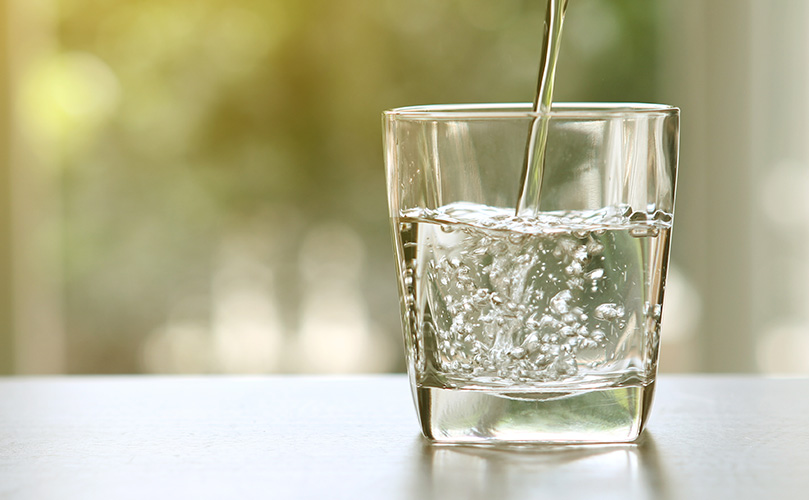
(68, 95)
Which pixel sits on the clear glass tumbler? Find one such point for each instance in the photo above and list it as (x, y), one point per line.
(541, 327)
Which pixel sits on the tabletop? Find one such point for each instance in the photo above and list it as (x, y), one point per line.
(357, 437)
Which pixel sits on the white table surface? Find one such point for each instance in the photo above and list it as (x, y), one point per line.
(357, 437)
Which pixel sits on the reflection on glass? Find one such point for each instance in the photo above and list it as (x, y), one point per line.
(597, 471)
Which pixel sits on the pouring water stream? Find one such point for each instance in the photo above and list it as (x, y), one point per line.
(534, 162)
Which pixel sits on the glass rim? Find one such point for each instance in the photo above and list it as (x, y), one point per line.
(525, 110)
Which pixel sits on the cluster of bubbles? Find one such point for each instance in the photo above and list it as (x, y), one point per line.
(518, 300)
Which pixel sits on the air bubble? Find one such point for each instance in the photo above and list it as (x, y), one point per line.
(644, 232)
(595, 274)
(577, 283)
(545, 321)
(575, 268)
(662, 216)
(517, 353)
(637, 217)
(588, 344)
(530, 343)
(559, 303)
(516, 238)
(594, 248)
(608, 312)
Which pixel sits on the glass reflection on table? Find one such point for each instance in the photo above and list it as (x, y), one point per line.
(622, 471)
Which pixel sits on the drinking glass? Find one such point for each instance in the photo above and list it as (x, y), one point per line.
(541, 325)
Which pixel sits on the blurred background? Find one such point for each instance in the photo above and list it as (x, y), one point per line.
(196, 186)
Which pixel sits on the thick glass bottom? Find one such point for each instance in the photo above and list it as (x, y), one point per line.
(487, 416)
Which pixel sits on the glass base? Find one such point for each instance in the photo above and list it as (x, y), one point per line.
(492, 417)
